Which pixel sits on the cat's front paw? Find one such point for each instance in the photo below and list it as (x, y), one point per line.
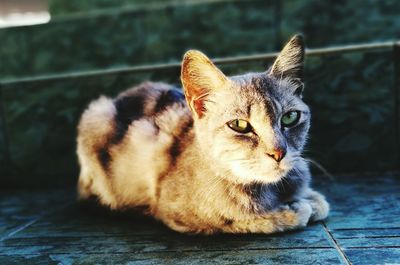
(303, 211)
(319, 205)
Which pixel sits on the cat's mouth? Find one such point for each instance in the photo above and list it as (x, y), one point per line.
(278, 173)
(274, 175)
(260, 170)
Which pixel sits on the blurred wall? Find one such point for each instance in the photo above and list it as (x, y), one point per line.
(352, 96)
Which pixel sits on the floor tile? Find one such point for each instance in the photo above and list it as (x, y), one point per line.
(291, 256)
(363, 202)
(19, 208)
(363, 228)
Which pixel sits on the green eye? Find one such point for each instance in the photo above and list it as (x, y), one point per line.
(290, 118)
(240, 126)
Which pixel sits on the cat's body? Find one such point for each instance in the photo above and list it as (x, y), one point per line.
(182, 164)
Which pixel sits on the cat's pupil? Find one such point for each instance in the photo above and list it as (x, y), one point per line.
(240, 126)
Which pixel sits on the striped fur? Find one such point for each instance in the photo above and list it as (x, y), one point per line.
(171, 153)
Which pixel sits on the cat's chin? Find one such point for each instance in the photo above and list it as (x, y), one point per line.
(267, 175)
(273, 176)
(266, 178)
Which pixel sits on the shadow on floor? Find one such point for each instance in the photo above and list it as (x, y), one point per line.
(42, 227)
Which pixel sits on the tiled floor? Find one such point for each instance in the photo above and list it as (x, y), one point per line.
(46, 227)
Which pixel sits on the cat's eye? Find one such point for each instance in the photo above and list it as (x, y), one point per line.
(240, 126)
(290, 118)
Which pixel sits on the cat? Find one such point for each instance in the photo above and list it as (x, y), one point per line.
(224, 156)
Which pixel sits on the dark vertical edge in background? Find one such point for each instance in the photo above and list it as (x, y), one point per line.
(278, 5)
(4, 130)
(396, 62)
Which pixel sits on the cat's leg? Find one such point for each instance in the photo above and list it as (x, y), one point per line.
(319, 205)
(94, 129)
(290, 217)
(85, 180)
(84, 187)
(92, 185)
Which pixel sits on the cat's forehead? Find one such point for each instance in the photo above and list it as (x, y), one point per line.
(263, 89)
(261, 83)
(259, 95)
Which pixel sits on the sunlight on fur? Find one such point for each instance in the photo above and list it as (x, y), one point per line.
(174, 155)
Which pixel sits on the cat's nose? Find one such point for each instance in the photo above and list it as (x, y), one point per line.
(277, 154)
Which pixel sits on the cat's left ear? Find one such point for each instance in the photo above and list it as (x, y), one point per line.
(200, 77)
(289, 64)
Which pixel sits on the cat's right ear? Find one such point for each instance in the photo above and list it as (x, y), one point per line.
(199, 78)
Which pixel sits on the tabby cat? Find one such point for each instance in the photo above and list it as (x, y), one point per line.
(224, 156)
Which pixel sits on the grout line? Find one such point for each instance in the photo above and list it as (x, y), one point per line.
(145, 236)
(4, 129)
(396, 85)
(336, 245)
(175, 251)
(357, 237)
(74, 244)
(80, 15)
(370, 247)
(26, 225)
(172, 65)
(18, 229)
(366, 228)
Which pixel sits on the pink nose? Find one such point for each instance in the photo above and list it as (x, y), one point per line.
(277, 154)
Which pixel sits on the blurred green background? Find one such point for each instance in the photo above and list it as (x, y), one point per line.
(353, 96)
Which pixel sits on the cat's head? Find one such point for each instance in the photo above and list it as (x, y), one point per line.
(252, 126)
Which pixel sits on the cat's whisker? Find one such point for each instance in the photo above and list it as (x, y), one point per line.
(324, 171)
(213, 181)
(238, 159)
(286, 181)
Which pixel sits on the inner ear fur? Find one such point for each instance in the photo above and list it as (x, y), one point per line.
(199, 78)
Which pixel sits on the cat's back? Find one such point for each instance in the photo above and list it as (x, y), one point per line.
(125, 144)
